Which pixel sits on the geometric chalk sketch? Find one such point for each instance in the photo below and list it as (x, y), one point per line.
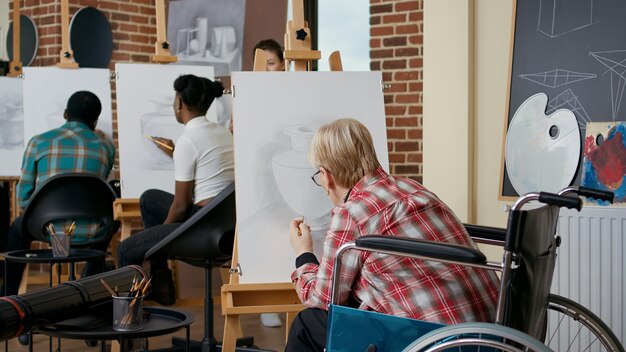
(615, 61)
(559, 17)
(569, 100)
(557, 78)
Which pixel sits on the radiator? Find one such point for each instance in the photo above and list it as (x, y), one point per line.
(591, 264)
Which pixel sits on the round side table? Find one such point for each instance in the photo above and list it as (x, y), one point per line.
(44, 256)
(161, 321)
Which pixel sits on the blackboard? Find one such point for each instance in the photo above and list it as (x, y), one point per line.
(574, 51)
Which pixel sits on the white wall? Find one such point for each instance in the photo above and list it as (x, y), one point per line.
(448, 103)
(466, 68)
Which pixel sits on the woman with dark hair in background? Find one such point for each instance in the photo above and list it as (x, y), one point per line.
(203, 167)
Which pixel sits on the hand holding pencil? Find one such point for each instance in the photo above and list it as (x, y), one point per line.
(166, 145)
(300, 236)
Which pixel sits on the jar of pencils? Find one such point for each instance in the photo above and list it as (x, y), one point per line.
(127, 313)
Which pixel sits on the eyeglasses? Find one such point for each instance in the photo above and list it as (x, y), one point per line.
(315, 178)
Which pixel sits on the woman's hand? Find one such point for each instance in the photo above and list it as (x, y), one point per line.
(166, 145)
(300, 236)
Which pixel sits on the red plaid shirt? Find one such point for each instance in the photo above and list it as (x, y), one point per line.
(431, 291)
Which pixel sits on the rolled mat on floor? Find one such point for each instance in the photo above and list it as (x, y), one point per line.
(20, 313)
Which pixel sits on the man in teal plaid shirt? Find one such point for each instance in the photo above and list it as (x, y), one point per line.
(74, 147)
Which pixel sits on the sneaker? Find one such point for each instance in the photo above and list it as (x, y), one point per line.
(163, 290)
(271, 320)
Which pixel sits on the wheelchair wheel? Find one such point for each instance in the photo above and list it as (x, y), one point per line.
(572, 327)
(498, 337)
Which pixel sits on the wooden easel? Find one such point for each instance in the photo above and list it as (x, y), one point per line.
(238, 299)
(15, 67)
(162, 53)
(126, 210)
(66, 56)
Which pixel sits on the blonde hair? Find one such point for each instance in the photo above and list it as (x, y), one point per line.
(344, 148)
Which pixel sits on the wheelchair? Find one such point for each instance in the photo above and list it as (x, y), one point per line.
(527, 315)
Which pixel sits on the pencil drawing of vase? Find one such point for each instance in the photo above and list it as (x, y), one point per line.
(292, 173)
(159, 123)
(11, 122)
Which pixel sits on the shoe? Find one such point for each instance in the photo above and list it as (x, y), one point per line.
(271, 320)
(163, 290)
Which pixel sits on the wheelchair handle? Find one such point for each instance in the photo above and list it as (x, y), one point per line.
(561, 201)
(547, 198)
(589, 193)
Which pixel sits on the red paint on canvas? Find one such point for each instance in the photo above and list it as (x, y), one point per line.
(609, 161)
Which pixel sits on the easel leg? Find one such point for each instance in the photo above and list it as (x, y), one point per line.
(290, 316)
(231, 325)
(24, 282)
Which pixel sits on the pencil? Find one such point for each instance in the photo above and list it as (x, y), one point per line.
(159, 142)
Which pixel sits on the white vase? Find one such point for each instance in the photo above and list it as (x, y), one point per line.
(292, 173)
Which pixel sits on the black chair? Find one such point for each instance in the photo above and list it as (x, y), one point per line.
(205, 240)
(71, 196)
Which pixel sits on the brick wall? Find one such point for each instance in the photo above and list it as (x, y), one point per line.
(133, 23)
(396, 38)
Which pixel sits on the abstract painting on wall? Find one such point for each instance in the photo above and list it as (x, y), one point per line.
(604, 163)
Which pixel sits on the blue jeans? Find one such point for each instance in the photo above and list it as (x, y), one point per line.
(154, 205)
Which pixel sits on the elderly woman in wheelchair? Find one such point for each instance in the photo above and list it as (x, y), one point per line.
(396, 289)
(367, 200)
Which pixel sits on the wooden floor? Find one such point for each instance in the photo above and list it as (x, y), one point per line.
(191, 287)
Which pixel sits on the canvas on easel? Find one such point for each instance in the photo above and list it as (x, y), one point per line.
(273, 131)
(11, 126)
(47, 89)
(145, 98)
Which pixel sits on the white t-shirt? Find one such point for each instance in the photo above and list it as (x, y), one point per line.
(204, 154)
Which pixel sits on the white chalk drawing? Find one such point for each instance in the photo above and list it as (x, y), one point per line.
(560, 17)
(569, 100)
(615, 62)
(557, 78)
(207, 33)
(275, 117)
(145, 107)
(11, 126)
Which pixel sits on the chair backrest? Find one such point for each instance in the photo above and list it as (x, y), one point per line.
(207, 236)
(70, 196)
(529, 287)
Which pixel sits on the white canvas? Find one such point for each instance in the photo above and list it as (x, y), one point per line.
(145, 100)
(47, 89)
(11, 126)
(275, 116)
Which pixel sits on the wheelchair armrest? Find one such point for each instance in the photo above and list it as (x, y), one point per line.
(485, 234)
(431, 249)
